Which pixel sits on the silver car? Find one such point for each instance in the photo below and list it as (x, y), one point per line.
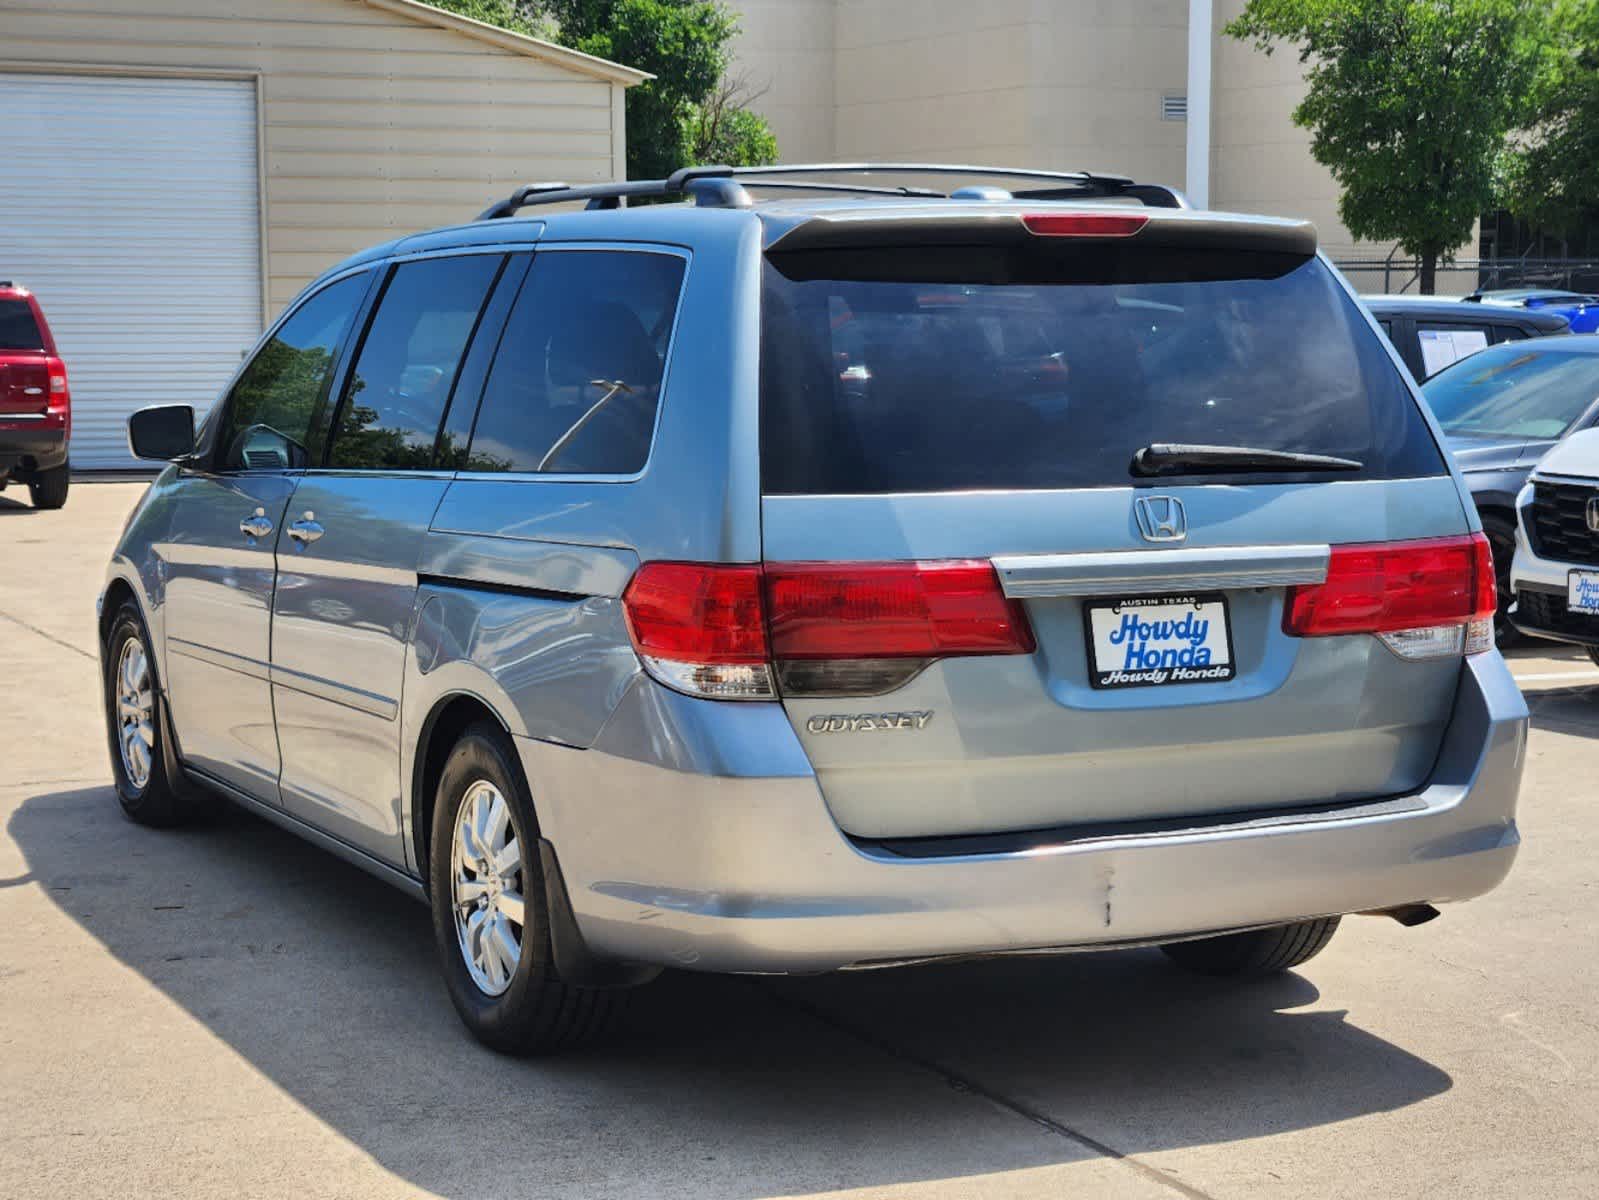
(858, 577)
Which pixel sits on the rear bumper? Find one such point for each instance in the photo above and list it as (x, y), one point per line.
(693, 835)
(24, 446)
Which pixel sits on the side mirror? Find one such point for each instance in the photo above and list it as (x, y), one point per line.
(163, 432)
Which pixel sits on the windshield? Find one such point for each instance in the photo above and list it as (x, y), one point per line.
(964, 368)
(1513, 391)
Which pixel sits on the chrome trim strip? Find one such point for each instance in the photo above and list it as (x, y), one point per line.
(335, 693)
(1028, 576)
(220, 658)
(408, 884)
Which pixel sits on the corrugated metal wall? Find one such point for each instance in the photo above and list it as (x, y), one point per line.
(129, 206)
(373, 124)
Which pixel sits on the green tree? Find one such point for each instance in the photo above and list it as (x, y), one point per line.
(1409, 104)
(1552, 173)
(684, 114)
(722, 129)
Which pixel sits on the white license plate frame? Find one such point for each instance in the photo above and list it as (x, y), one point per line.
(1106, 618)
(1575, 581)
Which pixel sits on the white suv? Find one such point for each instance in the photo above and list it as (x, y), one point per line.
(1555, 575)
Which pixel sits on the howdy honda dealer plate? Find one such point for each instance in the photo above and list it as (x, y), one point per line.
(1146, 641)
(1582, 591)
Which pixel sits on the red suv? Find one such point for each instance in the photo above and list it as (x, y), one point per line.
(35, 406)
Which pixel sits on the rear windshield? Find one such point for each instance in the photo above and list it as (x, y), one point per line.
(1514, 392)
(18, 329)
(997, 367)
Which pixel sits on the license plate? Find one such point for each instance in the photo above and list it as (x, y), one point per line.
(1147, 641)
(1582, 591)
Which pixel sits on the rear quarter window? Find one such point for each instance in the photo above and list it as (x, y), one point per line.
(997, 368)
(577, 378)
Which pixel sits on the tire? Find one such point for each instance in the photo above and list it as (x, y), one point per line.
(1593, 653)
(48, 489)
(144, 787)
(525, 1008)
(1257, 953)
(1501, 534)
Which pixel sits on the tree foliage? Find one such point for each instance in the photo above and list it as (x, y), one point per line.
(684, 114)
(1409, 104)
(1552, 173)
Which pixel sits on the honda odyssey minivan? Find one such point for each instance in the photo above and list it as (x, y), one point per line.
(855, 577)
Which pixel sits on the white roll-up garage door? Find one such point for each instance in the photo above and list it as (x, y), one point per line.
(129, 206)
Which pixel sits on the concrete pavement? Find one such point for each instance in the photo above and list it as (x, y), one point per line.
(226, 1011)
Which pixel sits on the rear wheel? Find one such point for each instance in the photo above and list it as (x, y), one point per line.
(48, 489)
(1257, 953)
(1501, 534)
(134, 726)
(490, 921)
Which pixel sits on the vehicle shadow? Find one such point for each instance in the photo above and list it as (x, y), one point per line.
(11, 507)
(1569, 710)
(323, 979)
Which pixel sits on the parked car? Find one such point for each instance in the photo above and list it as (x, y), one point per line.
(35, 403)
(672, 586)
(1556, 568)
(1501, 411)
(1580, 309)
(1431, 333)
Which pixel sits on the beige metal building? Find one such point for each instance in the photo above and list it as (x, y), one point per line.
(176, 170)
(1062, 84)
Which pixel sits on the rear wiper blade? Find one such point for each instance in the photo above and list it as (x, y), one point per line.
(1170, 458)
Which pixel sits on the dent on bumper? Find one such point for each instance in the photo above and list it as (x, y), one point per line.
(740, 867)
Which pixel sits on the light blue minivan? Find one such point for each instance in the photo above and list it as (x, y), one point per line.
(856, 577)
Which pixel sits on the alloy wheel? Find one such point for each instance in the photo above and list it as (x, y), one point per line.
(486, 888)
(135, 713)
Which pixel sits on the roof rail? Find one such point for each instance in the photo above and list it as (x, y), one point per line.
(726, 187)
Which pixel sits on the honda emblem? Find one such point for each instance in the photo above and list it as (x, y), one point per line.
(1161, 518)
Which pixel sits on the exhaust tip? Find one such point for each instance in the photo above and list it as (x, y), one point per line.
(1408, 915)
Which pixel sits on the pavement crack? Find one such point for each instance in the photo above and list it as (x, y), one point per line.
(49, 637)
(965, 1083)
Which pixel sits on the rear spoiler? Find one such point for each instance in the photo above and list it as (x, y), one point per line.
(903, 227)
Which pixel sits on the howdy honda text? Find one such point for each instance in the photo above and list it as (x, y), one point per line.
(1160, 639)
(868, 722)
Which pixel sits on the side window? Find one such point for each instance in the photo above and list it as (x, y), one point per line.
(267, 422)
(397, 393)
(1387, 327)
(1445, 344)
(577, 379)
(1509, 333)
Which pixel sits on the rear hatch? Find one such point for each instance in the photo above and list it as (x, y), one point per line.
(24, 361)
(972, 398)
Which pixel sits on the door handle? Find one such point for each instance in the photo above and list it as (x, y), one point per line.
(306, 530)
(257, 525)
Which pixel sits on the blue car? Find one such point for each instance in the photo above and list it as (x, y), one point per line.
(1580, 309)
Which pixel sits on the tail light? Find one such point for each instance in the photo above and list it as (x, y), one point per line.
(814, 629)
(60, 399)
(1432, 598)
(701, 629)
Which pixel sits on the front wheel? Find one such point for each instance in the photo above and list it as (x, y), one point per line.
(490, 921)
(1256, 953)
(133, 725)
(48, 489)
